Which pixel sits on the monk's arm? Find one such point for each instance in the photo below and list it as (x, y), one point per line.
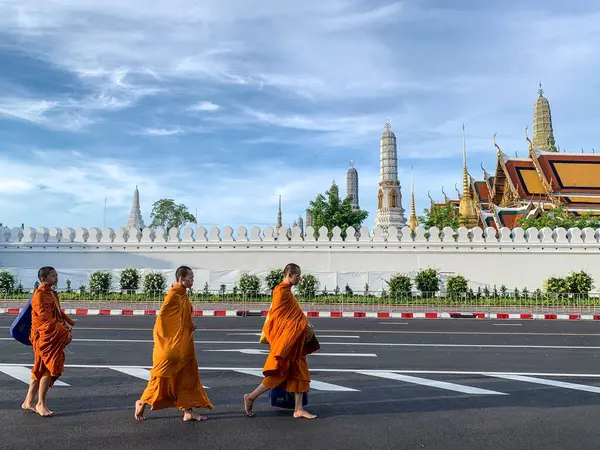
(168, 323)
(66, 317)
(45, 308)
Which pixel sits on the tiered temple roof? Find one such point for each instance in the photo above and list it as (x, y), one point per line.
(526, 186)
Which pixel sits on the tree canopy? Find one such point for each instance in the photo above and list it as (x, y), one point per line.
(559, 217)
(440, 216)
(167, 214)
(329, 211)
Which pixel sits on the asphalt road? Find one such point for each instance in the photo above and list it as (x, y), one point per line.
(377, 384)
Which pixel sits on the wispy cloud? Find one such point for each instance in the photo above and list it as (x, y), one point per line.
(253, 105)
(204, 106)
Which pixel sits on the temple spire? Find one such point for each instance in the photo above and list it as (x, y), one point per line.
(135, 219)
(412, 221)
(467, 209)
(352, 186)
(279, 223)
(543, 134)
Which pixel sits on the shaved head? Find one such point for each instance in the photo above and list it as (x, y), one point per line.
(291, 269)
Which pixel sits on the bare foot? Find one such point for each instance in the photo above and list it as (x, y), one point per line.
(28, 406)
(43, 411)
(189, 416)
(139, 410)
(248, 404)
(303, 415)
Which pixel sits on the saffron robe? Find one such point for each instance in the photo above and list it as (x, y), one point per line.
(286, 331)
(49, 335)
(174, 379)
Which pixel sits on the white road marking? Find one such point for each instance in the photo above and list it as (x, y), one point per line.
(366, 344)
(319, 336)
(137, 372)
(314, 384)
(561, 384)
(508, 324)
(23, 374)
(432, 383)
(256, 351)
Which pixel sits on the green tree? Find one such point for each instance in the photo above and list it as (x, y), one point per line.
(130, 279)
(308, 286)
(273, 278)
(329, 211)
(560, 217)
(440, 216)
(400, 285)
(166, 214)
(457, 284)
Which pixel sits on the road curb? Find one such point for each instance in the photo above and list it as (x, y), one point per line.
(331, 314)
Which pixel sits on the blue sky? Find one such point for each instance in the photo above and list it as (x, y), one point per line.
(225, 104)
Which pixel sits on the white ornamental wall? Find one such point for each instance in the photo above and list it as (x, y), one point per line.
(518, 258)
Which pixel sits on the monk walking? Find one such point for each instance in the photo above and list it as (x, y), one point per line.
(287, 330)
(50, 334)
(174, 379)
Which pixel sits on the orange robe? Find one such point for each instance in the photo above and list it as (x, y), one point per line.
(49, 335)
(285, 329)
(174, 379)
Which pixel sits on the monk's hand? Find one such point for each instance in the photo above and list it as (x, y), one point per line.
(194, 327)
(310, 332)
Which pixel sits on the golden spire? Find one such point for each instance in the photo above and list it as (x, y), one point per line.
(467, 209)
(543, 136)
(412, 222)
(279, 224)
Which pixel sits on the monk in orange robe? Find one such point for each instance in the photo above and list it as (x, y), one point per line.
(50, 334)
(174, 379)
(287, 330)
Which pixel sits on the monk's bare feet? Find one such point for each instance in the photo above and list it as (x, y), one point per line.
(248, 404)
(28, 406)
(43, 411)
(139, 410)
(301, 414)
(189, 416)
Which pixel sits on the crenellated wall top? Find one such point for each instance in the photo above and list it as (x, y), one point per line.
(310, 237)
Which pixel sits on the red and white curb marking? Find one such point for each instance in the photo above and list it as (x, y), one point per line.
(330, 314)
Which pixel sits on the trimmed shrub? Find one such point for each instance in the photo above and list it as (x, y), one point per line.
(580, 282)
(556, 285)
(249, 285)
(457, 284)
(130, 279)
(7, 281)
(100, 282)
(399, 284)
(273, 278)
(428, 281)
(155, 283)
(308, 286)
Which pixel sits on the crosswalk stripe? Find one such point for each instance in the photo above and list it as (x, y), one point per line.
(142, 374)
(314, 384)
(24, 374)
(432, 383)
(561, 384)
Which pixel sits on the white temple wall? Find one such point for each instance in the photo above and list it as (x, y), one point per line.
(517, 258)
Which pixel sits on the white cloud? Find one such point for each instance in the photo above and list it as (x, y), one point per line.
(162, 131)
(204, 106)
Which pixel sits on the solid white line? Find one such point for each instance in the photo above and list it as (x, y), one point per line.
(256, 351)
(433, 383)
(367, 344)
(561, 384)
(422, 372)
(314, 384)
(23, 374)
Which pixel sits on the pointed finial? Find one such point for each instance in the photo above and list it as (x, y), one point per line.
(388, 125)
(540, 91)
(465, 179)
(351, 163)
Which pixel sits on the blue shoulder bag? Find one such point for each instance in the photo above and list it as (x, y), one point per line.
(21, 326)
(282, 399)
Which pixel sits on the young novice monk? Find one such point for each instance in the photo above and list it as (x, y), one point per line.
(287, 331)
(50, 334)
(174, 379)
